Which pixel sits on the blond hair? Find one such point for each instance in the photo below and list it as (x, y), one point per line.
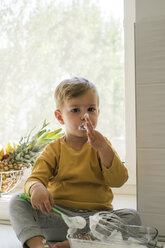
(70, 88)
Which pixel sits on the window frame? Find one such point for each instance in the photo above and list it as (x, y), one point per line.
(130, 121)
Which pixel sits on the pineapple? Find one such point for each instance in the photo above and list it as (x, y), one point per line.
(25, 153)
(1, 152)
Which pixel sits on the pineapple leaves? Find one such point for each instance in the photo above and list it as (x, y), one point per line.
(29, 147)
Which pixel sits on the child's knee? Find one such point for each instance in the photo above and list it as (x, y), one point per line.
(13, 202)
(16, 204)
(134, 217)
(129, 216)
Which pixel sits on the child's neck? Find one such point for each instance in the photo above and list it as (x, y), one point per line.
(75, 142)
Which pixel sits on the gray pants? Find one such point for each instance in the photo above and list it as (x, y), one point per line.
(28, 222)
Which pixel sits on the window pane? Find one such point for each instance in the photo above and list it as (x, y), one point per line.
(43, 42)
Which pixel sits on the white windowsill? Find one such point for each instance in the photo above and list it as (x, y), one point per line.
(121, 200)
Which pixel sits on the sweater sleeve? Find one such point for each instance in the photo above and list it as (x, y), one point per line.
(117, 174)
(44, 168)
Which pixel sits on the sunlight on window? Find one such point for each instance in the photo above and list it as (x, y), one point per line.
(43, 42)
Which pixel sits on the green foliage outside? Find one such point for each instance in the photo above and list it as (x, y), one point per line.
(43, 42)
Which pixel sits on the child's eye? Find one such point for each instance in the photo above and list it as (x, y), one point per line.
(75, 110)
(91, 109)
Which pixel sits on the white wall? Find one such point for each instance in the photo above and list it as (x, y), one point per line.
(149, 9)
(150, 111)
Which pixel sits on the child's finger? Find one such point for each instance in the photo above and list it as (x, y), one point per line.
(34, 206)
(43, 208)
(89, 129)
(90, 138)
(89, 126)
(47, 207)
(89, 121)
(51, 201)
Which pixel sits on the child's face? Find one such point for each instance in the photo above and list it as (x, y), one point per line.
(73, 110)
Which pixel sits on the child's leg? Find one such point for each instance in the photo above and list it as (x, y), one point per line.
(32, 226)
(129, 216)
(23, 219)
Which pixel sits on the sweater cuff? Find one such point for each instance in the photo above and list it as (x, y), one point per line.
(112, 167)
(28, 185)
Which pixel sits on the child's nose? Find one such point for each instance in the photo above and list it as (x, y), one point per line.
(83, 116)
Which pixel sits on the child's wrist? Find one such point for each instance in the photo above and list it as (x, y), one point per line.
(104, 147)
(34, 186)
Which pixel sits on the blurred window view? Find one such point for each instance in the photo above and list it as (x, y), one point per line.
(43, 42)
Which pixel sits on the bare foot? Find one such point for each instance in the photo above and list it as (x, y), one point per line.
(37, 242)
(64, 244)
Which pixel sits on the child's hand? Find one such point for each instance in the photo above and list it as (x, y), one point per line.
(95, 138)
(98, 142)
(41, 198)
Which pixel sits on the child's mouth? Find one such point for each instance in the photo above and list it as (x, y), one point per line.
(82, 127)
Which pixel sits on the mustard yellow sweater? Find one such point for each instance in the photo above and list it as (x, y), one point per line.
(77, 179)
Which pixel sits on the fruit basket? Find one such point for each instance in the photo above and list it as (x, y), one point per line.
(15, 158)
(9, 180)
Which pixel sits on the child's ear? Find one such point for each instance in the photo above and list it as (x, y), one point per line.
(58, 116)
